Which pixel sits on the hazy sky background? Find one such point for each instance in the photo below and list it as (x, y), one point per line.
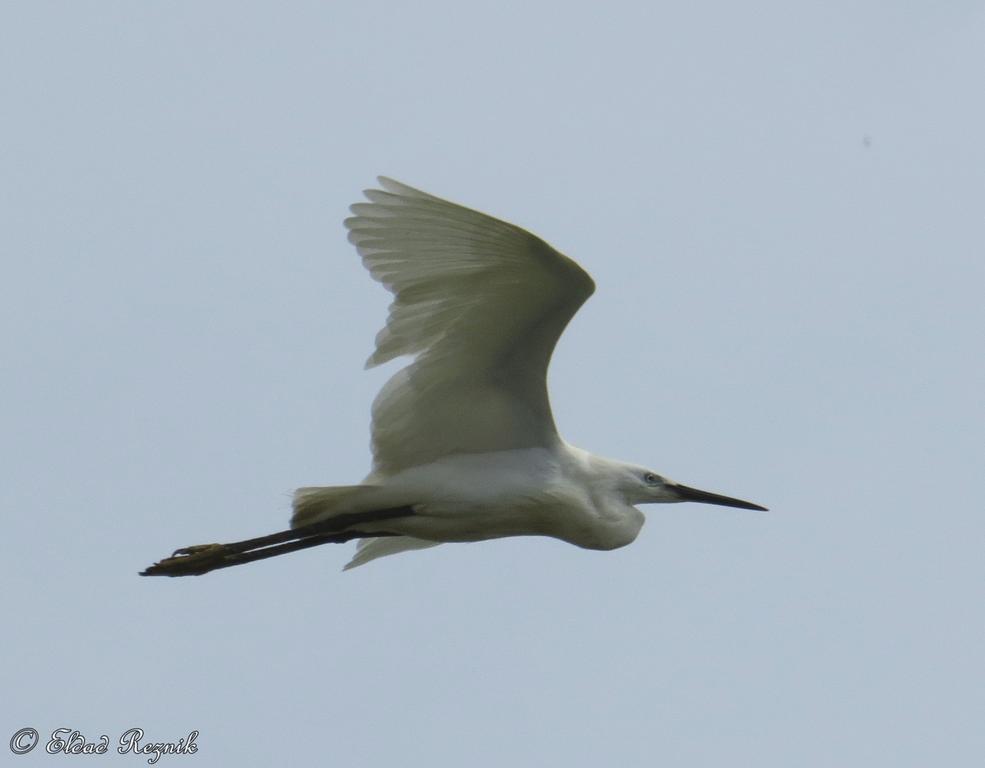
(782, 205)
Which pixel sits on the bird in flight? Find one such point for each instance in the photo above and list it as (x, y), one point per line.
(464, 443)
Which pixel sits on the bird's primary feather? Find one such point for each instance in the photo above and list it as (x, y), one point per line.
(480, 304)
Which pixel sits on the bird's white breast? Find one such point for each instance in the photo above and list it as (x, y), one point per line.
(533, 491)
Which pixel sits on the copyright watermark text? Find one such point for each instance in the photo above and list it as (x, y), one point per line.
(67, 741)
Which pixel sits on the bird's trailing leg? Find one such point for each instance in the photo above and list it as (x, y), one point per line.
(202, 558)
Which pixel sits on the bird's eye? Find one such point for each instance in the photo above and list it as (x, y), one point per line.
(650, 478)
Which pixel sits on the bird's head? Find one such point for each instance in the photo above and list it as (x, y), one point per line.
(644, 486)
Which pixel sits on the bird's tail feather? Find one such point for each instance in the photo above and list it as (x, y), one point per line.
(370, 549)
(316, 503)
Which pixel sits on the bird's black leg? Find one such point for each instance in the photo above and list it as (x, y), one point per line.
(202, 558)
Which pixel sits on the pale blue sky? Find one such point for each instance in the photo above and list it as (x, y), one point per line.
(783, 314)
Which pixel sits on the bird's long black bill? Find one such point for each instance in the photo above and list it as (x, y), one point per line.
(693, 494)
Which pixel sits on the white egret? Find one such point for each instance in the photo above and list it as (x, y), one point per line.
(464, 443)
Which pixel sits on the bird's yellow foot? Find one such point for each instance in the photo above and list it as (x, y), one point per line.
(189, 561)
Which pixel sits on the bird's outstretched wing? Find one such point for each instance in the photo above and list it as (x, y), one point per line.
(480, 304)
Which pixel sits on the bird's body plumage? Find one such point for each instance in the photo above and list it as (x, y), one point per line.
(564, 492)
(464, 433)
